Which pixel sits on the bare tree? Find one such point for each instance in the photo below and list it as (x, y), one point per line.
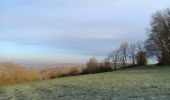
(140, 47)
(124, 52)
(132, 52)
(115, 56)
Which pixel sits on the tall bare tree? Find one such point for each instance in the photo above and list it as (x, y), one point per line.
(115, 57)
(124, 52)
(132, 52)
(140, 46)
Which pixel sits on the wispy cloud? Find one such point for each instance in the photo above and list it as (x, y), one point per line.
(73, 29)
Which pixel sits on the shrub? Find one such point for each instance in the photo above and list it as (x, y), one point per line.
(141, 58)
(94, 67)
(107, 66)
(69, 71)
(33, 75)
(50, 73)
(11, 73)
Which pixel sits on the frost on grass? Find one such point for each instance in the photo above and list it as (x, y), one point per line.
(139, 83)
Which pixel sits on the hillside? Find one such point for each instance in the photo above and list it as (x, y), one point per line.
(148, 82)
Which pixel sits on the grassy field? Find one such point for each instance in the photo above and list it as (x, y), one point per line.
(142, 83)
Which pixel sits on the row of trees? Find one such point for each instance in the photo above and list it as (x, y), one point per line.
(157, 45)
(136, 54)
(128, 55)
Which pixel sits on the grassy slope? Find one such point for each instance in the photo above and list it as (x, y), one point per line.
(151, 83)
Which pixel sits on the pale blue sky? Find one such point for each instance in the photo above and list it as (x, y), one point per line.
(53, 31)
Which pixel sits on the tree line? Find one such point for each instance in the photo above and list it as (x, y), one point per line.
(156, 46)
(127, 55)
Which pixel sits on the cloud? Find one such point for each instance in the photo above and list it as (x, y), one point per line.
(86, 28)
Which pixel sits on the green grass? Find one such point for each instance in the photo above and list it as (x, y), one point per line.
(142, 83)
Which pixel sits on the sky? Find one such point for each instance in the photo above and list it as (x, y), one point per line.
(59, 31)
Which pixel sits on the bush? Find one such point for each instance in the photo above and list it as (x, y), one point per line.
(69, 71)
(107, 66)
(33, 75)
(11, 73)
(74, 71)
(50, 73)
(94, 67)
(141, 59)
